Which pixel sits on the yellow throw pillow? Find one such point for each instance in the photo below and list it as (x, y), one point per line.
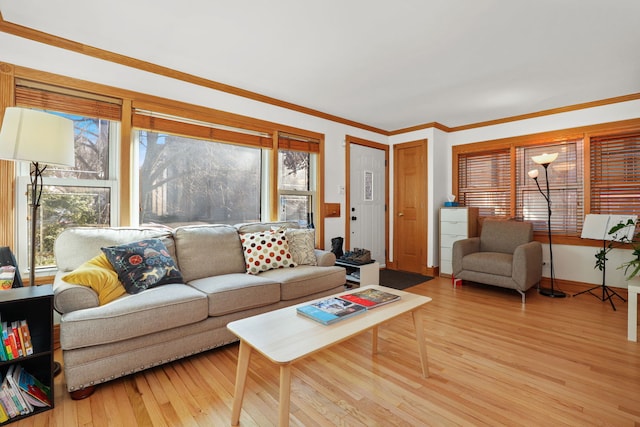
(98, 274)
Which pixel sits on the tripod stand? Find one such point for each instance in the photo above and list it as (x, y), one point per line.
(606, 290)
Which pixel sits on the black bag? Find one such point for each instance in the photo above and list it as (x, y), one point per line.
(336, 246)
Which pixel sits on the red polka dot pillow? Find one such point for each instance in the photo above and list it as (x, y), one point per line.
(266, 250)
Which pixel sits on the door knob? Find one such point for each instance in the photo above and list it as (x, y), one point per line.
(400, 214)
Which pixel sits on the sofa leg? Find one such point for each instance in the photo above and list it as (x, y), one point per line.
(523, 295)
(82, 393)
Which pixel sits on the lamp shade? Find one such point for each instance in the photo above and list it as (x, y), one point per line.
(533, 173)
(36, 136)
(545, 159)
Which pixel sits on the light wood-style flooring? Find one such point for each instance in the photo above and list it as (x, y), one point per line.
(493, 362)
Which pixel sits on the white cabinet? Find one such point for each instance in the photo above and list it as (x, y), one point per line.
(455, 224)
(363, 274)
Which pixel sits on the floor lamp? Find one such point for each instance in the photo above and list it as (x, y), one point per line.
(545, 160)
(42, 139)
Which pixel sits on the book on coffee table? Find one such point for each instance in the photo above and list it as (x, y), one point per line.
(330, 310)
(371, 298)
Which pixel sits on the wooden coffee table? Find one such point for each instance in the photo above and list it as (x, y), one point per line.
(284, 337)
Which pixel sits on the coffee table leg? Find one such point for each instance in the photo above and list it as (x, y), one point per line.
(285, 395)
(422, 347)
(244, 354)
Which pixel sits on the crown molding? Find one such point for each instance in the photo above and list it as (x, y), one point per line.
(52, 40)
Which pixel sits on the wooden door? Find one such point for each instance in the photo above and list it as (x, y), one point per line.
(410, 206)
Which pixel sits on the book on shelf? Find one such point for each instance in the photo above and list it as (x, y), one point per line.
(7, 402)
(27, 407)
(12, 393)
(330, 310)
(26, 334)
(9, 341)
(31, 387)
(14, 329)
(21, 393)
(371, 298)
(4, 416)
(16, 340)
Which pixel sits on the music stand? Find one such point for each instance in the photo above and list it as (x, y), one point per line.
(597, 226)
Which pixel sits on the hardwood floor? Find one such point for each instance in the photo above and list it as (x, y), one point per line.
(492, 361)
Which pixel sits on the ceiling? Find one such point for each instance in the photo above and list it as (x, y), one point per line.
(390, 65)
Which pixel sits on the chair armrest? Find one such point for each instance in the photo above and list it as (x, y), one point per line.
(325, 258)
(460, 249)
(527, 264)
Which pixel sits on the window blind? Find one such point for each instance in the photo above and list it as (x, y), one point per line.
(159, 122)
(484, 182)
(298, 143)
(565, 186)
(53, 98)
(615, 174)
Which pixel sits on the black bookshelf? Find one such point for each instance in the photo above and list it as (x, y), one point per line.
(35, 304)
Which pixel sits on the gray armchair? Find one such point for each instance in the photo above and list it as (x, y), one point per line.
(504, 255)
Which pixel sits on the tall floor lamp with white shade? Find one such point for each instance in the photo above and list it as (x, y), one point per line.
(545, 160)
(42, 139)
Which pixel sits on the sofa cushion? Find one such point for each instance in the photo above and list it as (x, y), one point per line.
(235, 292)
(77, 245)
(504, 236)
(153, 310)
(99, 275)
(254, 227)
(306, 280)
(302, 245)
(266, 250)
(208, 250)
(489, 262)
(143, 264)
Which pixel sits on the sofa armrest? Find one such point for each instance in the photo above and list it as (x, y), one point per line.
(325, 258)
(527, 264)
(68, 297)
(462, 248)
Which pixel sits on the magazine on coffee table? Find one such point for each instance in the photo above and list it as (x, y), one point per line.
(330, 310)
(371, 298)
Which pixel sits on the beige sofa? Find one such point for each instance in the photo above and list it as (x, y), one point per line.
(164, 323)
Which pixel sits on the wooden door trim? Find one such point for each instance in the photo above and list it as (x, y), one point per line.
(347, 192)
(423, 212)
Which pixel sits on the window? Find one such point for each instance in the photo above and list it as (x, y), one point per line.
(193, 171)
(189, 181)
(565, 188)
(484, 181)
(615, 174)
(296, 178)
(85, 195)
(597, 171)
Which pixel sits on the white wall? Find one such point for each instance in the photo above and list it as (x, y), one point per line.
(571, 263)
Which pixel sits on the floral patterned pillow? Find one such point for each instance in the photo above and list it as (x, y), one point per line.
(142, 265)
(302, 245)
(266, 250)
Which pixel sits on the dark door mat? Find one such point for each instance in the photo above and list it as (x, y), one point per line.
(401, 279)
